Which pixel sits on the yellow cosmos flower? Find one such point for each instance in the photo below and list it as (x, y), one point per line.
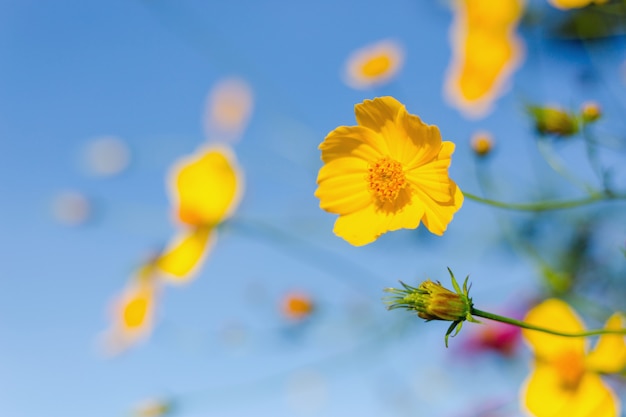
(132, 313)
(574, 4)
(390, 172)
(565, 381)
(373, 65)
(205, 189)
(485, 52)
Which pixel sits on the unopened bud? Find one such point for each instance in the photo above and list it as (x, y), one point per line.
(482, 143)
(553, 121)
(590, 112)
(432, 301)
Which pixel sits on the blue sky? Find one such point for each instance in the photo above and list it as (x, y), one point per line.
(141, 70)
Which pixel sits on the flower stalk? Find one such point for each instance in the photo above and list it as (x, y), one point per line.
(431, 301)
(547, 205)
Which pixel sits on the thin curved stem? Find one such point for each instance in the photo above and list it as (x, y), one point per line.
(547, 152)
(524, 325)
(546, 205)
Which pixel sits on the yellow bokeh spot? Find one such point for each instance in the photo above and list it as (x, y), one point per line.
(373, 64)
(135, 311)
(493, 14)
(376, 66)
(482, 143)
(485, 52)
(228, 109)
(185, 254)
(297, 306)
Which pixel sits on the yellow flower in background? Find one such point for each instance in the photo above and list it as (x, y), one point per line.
(565, 381)
(485, 50)
(574, 4)
(155, 407)
(228, 109)
(205, 189)
(373, 65)
(390, 172)
(132, 313)
(482, 143)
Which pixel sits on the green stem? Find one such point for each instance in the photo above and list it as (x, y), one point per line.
(547, 152)
(524, 325)
(545, 205)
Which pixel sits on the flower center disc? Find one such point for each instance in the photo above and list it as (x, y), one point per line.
(386, 178)
(571, 369)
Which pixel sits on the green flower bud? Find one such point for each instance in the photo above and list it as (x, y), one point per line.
(553, 121)
(590, 112)
(432, 301)
(435, 302)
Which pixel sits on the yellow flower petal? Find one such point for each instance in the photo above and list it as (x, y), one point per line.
(380, 115)
(544, 395)
(437, 215)
(609, 355)
(423, 144)
(493, 14)
(366, 225)
(132, 312)
(206, 187)
(485, 53)
(487, 57)
(431, 177)
(186, 253)
(342, 187)
(354, 141)
(541, 393)
(556, 315)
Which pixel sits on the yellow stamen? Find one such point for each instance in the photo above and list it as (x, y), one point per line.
(386, 179)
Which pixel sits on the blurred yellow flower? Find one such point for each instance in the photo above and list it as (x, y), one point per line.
(390, 172)
(373, 65)
(153, 408)
(205, 189)
(574, 4)
(485, 52)
(228, 109)
(132, 312)
(482, 143)
(565, 381)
